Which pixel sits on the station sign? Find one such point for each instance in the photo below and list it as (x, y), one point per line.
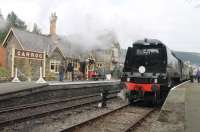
(29, 54)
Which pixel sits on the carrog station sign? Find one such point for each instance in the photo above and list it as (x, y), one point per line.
(29, 54)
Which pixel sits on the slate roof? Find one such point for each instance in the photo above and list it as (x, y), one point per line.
(74, 46)
(41, 43)
(34, 42)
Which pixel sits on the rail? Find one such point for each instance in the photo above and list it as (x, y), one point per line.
(73, 102)
(101, 119)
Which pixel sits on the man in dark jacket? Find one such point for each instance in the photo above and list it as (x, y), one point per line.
(70, 71)
(191, 74)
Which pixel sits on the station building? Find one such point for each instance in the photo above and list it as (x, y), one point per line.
(29, 51)
(107, 58)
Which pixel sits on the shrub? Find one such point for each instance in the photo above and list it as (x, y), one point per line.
(4, 72)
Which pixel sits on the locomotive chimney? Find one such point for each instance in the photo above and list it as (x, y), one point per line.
(53, 19)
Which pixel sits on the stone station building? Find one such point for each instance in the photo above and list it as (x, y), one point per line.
(54, 49)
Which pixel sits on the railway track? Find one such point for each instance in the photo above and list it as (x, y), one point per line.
(12, 115)
(123, 119)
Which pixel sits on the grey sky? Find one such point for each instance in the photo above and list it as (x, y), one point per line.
(174, 22)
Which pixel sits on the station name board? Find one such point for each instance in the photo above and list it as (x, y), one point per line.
(29, 54)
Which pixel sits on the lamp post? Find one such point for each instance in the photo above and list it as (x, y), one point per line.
(87, 62)
(104, 64)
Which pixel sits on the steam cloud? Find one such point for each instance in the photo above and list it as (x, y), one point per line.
(2, 23)
(88, 41)
(177, 26)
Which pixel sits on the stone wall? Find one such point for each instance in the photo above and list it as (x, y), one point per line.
(12, 43)
(2, 57)
(28, 68)
(54, 56)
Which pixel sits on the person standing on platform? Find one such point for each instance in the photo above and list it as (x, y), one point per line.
(198, 75)
(191, 74)
(70, 71)
(61, 70)
(194, 73)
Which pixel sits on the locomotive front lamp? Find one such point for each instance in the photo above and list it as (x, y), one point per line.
(142, 69)
(155, 80)
(128, 79)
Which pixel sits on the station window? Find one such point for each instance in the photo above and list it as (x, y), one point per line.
(99, 65)
(54, 65)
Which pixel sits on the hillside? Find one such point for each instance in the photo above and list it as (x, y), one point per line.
(194, 58)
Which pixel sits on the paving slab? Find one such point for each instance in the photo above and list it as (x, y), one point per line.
(6, 88)
(10, 87)
(181, 110)
(192, 108)
(81, 82)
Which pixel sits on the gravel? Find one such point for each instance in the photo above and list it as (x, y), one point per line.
(62, 120)
(59, 121)
(42, 109)
(146, 125)
(118, 121)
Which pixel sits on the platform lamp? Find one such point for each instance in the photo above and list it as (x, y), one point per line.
(87, 62)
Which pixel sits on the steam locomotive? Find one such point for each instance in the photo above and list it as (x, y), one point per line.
(150, 70)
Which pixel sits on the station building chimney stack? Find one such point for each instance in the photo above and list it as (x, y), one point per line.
(53, 19)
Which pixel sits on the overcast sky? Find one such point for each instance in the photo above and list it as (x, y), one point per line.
(174, 22)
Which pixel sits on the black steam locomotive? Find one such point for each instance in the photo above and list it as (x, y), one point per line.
(151, 69)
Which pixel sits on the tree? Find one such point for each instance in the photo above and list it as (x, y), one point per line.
(11, 21)
(36, 29)
(3, 27)
(2, 35)
(14, 21)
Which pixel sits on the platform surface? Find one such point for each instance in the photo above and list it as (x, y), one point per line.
(80, 82)
(192, 108)
(181, 110)
(10, 87)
